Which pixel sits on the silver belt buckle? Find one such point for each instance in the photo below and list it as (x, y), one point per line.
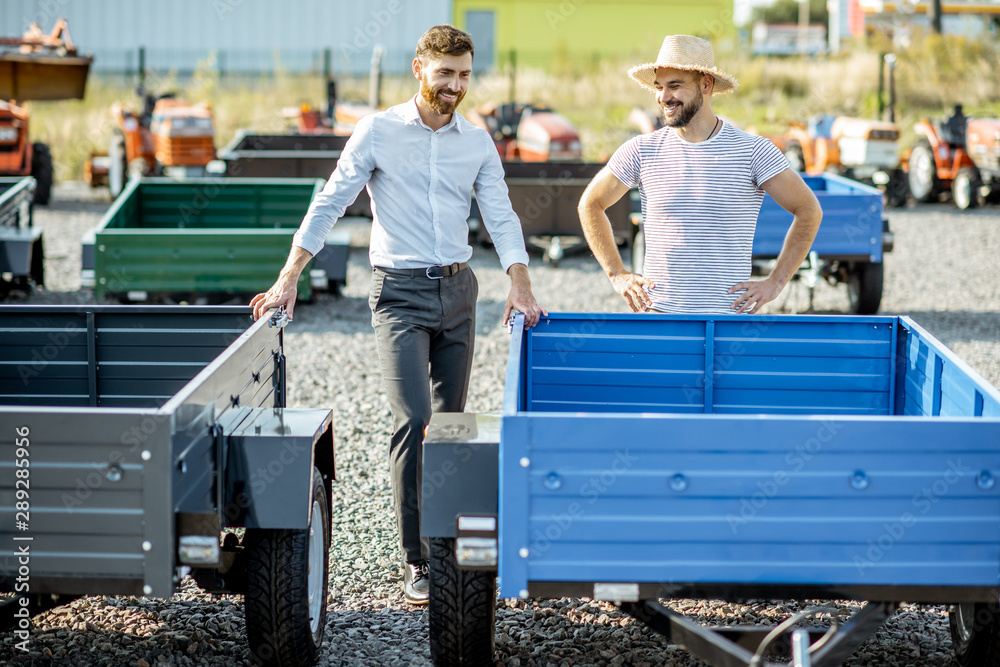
(427, 271)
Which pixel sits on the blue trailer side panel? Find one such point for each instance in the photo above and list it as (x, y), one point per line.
(804, 474)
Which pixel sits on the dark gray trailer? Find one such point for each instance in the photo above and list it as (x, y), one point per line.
(21, 252)
(136, 440)
(252, 154)
(545, 196)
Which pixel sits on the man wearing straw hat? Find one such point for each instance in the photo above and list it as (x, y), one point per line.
(701, 182)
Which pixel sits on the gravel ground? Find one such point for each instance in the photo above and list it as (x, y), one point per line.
(943, 272)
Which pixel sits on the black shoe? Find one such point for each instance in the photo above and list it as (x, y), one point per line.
(416, 582)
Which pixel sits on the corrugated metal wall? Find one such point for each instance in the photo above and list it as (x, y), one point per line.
(246, 35)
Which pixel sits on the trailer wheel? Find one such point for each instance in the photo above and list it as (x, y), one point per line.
(896, 190)
(462, 610)
(287, 576)
(864, 288)
(41, 170)
(975, 633)
(965, 188)
(923, 179)
(795, 156)
(638, 251)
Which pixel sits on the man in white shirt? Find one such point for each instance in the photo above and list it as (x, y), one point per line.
(420, 162)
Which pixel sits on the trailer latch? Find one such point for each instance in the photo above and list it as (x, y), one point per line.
(279, 318)
(476, 542)
(199, 549)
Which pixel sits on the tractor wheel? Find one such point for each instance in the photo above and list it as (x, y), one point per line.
(41, 170)
(864, 288)
(638, 251)
(896, 190)
(965, 188)
(462, 610)
(795, 156)
(924, 182)
(975, 633)
(287, 574)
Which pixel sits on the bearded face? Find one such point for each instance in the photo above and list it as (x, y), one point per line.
(677, 114)
(442, 99)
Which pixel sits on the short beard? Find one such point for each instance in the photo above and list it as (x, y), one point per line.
(436, 103)
(687, 113)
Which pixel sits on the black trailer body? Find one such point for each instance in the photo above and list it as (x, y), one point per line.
(135, 440)
(252, 154)
(21, 251)
(545, 196)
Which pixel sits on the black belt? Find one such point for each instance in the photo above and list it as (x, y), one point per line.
(435, 272)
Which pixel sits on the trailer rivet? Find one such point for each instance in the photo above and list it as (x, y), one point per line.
(553, 481)
(147, 546)
(113, 472)
(986, 480)
(525, 462)
(524, 553)
(147, 589)
(678, 482)
(146, 455)
(859, 480)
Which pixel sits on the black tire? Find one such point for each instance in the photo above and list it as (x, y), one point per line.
(922, 173)
(795, 156)
(864, 288)
(462, 610)
(965, 188)
(41, 170)
(975, 633)
(897, 190)
(638, 251)
(285, 602)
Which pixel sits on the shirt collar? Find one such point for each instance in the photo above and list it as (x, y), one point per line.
(412, 115)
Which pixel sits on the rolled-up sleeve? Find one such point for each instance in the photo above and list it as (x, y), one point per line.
(354, 170)
(498, 215)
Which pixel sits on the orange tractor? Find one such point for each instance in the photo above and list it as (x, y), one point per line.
(527, 133)
(169, 137)
(41, 67)
(959, 153)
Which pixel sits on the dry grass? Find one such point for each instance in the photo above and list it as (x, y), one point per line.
(932, 74)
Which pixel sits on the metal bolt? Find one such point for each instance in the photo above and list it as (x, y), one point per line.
(523, 593)
(524, 553)
(859, 480)
(986, 480)
(553, 481)
(113, 472)
(146, 455)
(184, 466)
(147, 546)
(678, 482)
(147, 589)
(525, 462)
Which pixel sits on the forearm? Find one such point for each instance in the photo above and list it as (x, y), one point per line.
(298, 258)
(796, 247)
(600, 237)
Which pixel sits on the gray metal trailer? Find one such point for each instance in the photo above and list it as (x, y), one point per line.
(136, 440)
(21, 253)
(252, 154)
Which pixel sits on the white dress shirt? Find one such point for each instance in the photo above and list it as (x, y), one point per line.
(420, 182)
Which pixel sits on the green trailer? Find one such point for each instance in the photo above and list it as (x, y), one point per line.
(206, 239)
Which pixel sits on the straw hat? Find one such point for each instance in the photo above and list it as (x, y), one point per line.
(688, 53)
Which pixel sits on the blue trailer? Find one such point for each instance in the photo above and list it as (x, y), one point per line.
(640, 457)
(849, 247)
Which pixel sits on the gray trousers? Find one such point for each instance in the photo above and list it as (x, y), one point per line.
(425, 331)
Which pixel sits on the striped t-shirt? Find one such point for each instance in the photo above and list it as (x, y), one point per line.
(699, 207)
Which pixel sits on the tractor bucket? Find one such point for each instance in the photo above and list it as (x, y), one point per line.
(25, 76)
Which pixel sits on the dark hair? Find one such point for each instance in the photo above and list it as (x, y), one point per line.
(444, 40)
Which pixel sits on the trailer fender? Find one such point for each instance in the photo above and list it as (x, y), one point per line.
(460, 470)
(268, 471)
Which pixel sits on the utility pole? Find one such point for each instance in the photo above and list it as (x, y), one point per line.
(934, 13)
